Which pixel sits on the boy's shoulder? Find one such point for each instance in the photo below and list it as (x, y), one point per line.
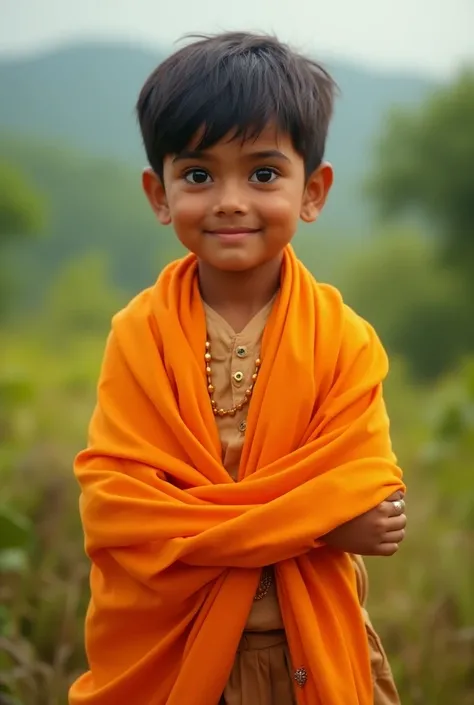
(137, 309)
(140, 308)
(340, 315)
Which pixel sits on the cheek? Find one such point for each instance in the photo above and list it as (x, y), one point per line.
(186, 208)
(282, 211)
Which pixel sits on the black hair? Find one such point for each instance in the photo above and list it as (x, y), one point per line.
(235, 83)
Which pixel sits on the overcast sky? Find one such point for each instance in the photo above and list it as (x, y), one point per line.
(424, 36)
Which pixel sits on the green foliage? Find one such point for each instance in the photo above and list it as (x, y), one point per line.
(21, 209)
(82, 299)
(418, 308)
(43, 571)
(425, 163)
(14, 530)
(422, 599)
(21, 214)
(95, 206)
(424, 167)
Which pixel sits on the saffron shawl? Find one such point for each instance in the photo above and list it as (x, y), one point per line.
(177, 546)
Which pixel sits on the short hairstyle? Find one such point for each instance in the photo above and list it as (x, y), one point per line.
(235, 83)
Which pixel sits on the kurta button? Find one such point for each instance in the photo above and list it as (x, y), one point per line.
(242, 426)
(238, 377)
(300, 677)
(241, 351)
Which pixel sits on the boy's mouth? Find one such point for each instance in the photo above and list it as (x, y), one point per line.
(232, 234)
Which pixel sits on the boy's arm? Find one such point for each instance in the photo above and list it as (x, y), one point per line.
(378, 532)
(149, 525)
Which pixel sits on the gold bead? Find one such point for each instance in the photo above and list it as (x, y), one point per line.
(241, 352)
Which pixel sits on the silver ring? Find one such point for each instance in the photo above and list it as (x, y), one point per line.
(399, 505)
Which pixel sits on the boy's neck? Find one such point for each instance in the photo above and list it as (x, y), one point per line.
(239, 296)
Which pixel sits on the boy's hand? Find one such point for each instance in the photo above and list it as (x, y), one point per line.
(375, 533)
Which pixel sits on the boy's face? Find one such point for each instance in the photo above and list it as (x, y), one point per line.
(237, 204)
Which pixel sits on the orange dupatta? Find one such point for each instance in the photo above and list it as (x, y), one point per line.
(177, 546)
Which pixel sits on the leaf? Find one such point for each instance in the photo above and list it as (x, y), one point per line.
(13, 560)
(15, 530)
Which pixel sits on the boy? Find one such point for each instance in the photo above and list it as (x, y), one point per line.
(239, 453)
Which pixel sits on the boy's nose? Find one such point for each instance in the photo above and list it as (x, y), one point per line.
(230, 201)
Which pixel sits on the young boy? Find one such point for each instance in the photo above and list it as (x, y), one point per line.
(239, 453)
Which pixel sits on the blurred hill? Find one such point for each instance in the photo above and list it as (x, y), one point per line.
(93, 205)
(83, 96)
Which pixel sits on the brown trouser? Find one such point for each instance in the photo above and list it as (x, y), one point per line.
(262, 672)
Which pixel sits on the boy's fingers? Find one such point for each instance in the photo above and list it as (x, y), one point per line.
(395, 523)
(386, 549)
(394, 536)
(395, 496)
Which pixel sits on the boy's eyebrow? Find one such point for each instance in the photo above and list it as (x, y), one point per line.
(191, 154)
(269, 154)
(203, 155)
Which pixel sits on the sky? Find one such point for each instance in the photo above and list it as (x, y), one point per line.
(433, 37)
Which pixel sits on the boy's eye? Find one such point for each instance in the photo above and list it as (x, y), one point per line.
(197, 176)
(264, 175)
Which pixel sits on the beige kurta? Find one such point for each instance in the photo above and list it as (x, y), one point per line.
(262, 673)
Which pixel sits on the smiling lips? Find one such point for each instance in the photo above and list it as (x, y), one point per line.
(232, 234)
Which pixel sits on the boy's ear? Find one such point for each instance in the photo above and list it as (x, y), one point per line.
(316, 192)
(155, 192)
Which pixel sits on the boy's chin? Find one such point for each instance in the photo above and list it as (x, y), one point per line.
(232, 264)
(234, 260)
